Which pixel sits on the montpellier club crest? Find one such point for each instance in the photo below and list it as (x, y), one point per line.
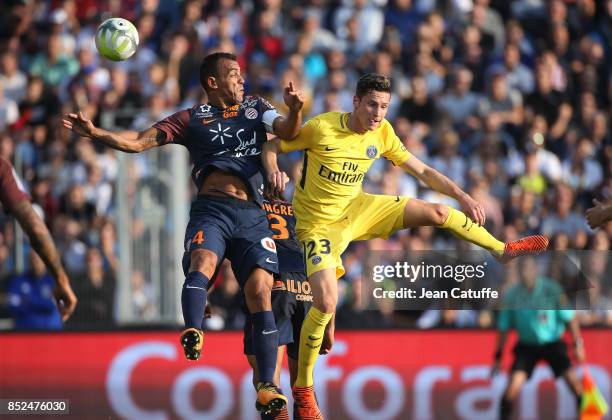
(251, 113)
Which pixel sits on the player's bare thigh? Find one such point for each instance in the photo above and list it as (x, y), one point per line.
(324, 286)
(421, 213)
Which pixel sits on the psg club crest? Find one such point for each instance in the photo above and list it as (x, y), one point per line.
(371, 152)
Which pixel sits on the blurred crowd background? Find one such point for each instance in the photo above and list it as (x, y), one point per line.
(511, 100)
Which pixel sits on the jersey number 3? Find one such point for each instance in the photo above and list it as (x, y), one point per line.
(279, 225)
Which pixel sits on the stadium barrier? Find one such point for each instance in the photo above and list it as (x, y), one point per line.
(369, 375)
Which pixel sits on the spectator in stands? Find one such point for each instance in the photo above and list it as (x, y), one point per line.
(9, 113)
(54, 65)
(582, 172)
(564, 217)
(502, 103)
(30, 298)
(459, 103)
(551, 103)
(96, 288)
(369, 22)
(13, 80)
(532, 180)
(419, 107)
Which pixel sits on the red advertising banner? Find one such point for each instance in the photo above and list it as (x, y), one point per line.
(369, 375)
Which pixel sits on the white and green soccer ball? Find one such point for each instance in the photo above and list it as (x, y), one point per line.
(116, 39)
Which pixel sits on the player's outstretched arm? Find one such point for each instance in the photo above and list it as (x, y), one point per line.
(442, 184)
(277, 179)
(41, 241)
(599, 214)
(289, 127)
(125, 141)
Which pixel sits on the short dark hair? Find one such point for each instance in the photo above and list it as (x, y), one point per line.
(372, 82)
(210, 66)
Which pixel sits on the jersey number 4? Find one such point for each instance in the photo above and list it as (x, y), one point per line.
(198, 238)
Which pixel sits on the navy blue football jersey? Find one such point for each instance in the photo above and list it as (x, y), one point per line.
(288, 248)
(228, 139)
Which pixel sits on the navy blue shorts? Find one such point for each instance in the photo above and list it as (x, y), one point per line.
(235, 229)
(291, 301)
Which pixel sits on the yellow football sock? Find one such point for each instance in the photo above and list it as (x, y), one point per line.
(311, 337)
(463, 227)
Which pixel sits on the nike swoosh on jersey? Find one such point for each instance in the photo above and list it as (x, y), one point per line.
(270, 262)
(312, 337)
(205, 122)
(268, 332)
(329, 149)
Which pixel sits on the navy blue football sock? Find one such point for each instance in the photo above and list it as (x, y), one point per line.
(265, 344)
(193, 299)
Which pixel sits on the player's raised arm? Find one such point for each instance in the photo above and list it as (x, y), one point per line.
(277, 179)
(16, 201)
(41, 241)
(442, 184)
(125, 141)
(288, 127)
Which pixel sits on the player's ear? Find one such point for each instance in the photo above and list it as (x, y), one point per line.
(356, 101)
(211, 81)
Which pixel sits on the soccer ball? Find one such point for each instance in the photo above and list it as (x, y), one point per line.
(116, 39)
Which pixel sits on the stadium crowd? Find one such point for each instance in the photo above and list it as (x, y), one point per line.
(511, 100)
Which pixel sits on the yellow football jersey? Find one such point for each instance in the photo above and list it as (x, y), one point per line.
(336, 160)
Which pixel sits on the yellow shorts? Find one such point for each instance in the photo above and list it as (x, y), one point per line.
(368, 216)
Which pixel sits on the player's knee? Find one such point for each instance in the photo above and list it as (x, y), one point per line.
(438, 214)
(203, 261)
(258, 290)
(327, 304)
(258, 295)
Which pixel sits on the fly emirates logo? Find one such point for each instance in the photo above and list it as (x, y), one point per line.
(349, 175)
